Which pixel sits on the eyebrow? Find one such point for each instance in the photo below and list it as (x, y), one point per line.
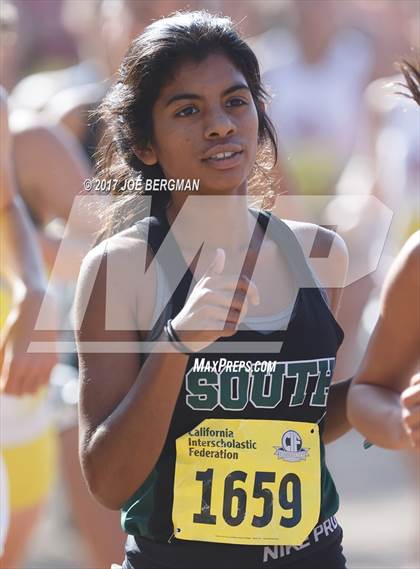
(228, 91)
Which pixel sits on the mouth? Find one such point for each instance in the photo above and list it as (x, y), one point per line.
(224, 160)
(223, 156)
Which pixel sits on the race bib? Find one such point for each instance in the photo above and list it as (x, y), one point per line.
(247, 482)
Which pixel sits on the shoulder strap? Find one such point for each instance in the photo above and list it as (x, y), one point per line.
(290, 247)
(154, 231)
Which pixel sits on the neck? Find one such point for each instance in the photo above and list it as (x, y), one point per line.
(220, 221)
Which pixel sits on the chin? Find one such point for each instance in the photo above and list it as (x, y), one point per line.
(225, 184)
(222, 190)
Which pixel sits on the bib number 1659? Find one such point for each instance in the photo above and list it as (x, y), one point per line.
(288, 495)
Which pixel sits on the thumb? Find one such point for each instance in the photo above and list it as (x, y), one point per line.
(415, 380)
(254, 294)
(218, 264)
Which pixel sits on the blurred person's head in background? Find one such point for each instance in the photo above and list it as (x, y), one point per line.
(43, 42)
(10, 47)
(124, 20)
(77, 39)
(82, 21)
(393, 26)
(317, 68)
(315, 23)
(248, 15)
(99, 30)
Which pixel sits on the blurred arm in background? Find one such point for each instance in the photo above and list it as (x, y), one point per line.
(22, 268)
(50, 170)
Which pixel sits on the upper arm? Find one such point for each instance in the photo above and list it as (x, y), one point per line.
(109, 368)
(331, 265)
(71, 107)
(392, 354)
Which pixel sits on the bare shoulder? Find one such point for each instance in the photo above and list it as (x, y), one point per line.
(122, 253)
(410, 255)
(115, 268)
(125, 243)
(404, 276)
(325, 250)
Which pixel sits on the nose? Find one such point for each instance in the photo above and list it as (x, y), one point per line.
(219, 125)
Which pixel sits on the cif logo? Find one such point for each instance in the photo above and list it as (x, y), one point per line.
(291, 447)
(291, 441)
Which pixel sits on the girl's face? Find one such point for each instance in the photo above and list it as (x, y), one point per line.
(206, 127)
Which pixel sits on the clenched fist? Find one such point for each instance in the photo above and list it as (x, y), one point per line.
(410, 401)
(210, 311)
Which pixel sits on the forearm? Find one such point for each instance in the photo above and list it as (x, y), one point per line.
(336, 422)
(22, 262)
(123, 450)
(49, 247)
(376, 413)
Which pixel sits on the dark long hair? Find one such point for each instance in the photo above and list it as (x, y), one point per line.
(126, 112)
(411, 73)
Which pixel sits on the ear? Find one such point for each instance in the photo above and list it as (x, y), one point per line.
(146, 155)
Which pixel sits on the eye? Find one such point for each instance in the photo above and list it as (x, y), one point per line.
(187, 111)
(236, 102)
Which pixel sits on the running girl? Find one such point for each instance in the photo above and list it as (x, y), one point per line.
(384, 402)
(209, 469)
